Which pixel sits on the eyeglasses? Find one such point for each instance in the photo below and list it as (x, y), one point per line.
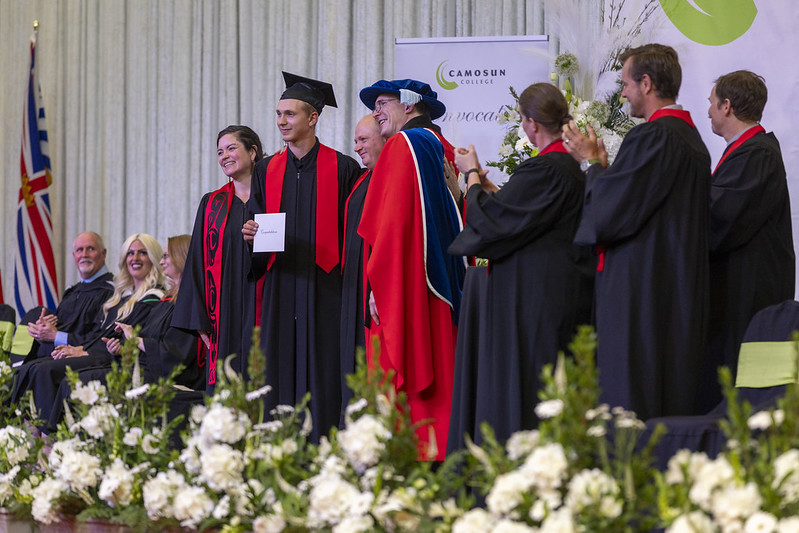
(380, 103)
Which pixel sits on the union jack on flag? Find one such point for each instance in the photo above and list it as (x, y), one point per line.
(35, 280)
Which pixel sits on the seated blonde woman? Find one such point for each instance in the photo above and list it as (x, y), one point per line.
(138, 287)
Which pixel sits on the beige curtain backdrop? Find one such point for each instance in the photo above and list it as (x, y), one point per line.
(135, 92)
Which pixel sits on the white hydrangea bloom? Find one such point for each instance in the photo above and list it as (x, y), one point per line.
(79, 470)
(559, 521)
(222, 467)
(332, 499)
(44, 495)
(508, 492)
(732, 504)
(191, 506)
(223, 424)
(99, 419)
(14, 444)
(685, 460)
(546, 466)
(158, 492)
(363, 441)
(594, 488)
(710, 476)
(116, 487)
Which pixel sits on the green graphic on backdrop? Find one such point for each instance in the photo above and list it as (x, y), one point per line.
(716, 22)
(444, 83)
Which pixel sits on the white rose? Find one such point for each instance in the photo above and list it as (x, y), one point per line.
(332, 499)
(732, 503)
(559, 521)
(710, 476)
(355, 524)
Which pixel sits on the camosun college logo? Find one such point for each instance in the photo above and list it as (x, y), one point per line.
(466, 76)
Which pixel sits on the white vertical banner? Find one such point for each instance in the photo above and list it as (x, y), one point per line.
(472, 76)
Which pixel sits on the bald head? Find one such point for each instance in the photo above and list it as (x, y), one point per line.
(368, 141)
(88, 251)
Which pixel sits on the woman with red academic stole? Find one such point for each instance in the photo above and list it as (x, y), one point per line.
(538, 285)
(215, 297)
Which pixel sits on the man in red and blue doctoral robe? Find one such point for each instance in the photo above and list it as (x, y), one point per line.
(409, 220)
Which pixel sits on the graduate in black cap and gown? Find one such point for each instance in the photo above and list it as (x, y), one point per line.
(301, 297)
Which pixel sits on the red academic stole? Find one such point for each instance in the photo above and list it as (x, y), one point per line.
(554, 146)
(748, 134)
(681, 114)
(327, 247)
(215, 218)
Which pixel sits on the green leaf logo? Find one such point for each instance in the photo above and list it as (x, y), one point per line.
(711, 22)
(445, 84)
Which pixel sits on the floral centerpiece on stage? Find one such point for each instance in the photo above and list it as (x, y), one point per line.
(587, 72)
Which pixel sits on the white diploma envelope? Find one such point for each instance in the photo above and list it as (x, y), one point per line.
(271, 234)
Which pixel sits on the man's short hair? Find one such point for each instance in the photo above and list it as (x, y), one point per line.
(746, 92)
(660, 63)
(97, 237)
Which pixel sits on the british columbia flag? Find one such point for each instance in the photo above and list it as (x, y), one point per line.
(35, 280)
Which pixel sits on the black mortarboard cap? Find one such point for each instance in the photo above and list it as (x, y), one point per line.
(315, 92)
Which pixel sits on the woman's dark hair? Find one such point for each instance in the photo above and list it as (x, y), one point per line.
(544, 103)
(245, 136)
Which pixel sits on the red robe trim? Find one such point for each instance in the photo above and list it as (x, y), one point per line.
(681, 114)
(748, 134)
(216, 213)
(416, 332)
(327, 245)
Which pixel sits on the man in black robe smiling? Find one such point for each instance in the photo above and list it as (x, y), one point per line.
(647, 215)
(301, 297)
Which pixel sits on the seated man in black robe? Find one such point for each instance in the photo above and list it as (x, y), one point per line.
(647, 215)
(752, 261)
(76, 314)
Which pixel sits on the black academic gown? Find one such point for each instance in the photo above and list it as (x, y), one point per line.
(538, 289)
(752, 261)
(650, 209)
(352, 298)
(301, 303)
(77, 312)
(236, 318)
(43, 376)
